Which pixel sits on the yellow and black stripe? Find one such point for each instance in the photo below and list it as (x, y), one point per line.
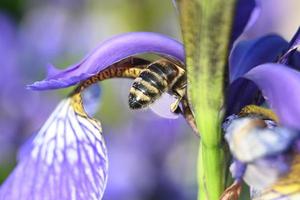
(156, 79)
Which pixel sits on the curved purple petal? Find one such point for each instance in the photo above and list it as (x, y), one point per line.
(245, 56)
(108, 53)
(250, 53)
(242, 14)
(280, 86)
(294, 60)
(67, 159)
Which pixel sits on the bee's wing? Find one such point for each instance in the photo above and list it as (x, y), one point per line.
(174, 61)
(162, 106)
(286, 188)
(67, 159)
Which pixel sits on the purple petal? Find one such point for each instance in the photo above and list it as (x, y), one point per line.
(67, 159)
(245, 56)
(237, 169)
(110, 52)
(250, 53)
(280, 86)
(292, 56)
(296, 39)
(294, 60)
(241, 17)
(276, 16)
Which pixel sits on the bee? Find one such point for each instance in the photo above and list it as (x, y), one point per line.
(158, 77)
(151, 80)
(162, 76)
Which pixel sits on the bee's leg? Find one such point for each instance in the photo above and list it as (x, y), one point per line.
(232, 192)
(185, 109)
(188, 114)
(175, 106)
(179, 93)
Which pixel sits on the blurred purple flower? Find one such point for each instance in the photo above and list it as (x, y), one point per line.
(247, 55)
(246, 58)
(17, 118)
(253, 70)
(273, 16)
(150, 148)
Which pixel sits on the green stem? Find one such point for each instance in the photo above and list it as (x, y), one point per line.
(206, 27)
(210, 177)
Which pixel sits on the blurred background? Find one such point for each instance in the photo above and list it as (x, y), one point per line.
(151, 157)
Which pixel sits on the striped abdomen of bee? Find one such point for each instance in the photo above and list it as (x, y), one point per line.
(158, 77)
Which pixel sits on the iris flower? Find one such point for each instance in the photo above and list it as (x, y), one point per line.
(17, 119)
(265, 72)
(67, 158)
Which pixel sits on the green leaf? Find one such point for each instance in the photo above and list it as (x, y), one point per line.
(206, 27)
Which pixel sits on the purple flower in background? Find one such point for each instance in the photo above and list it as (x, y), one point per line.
(17, 119)
(25, 46)
(67, 158)
(264, 72)
(246, 61)
(273, 16)
(156, 151)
